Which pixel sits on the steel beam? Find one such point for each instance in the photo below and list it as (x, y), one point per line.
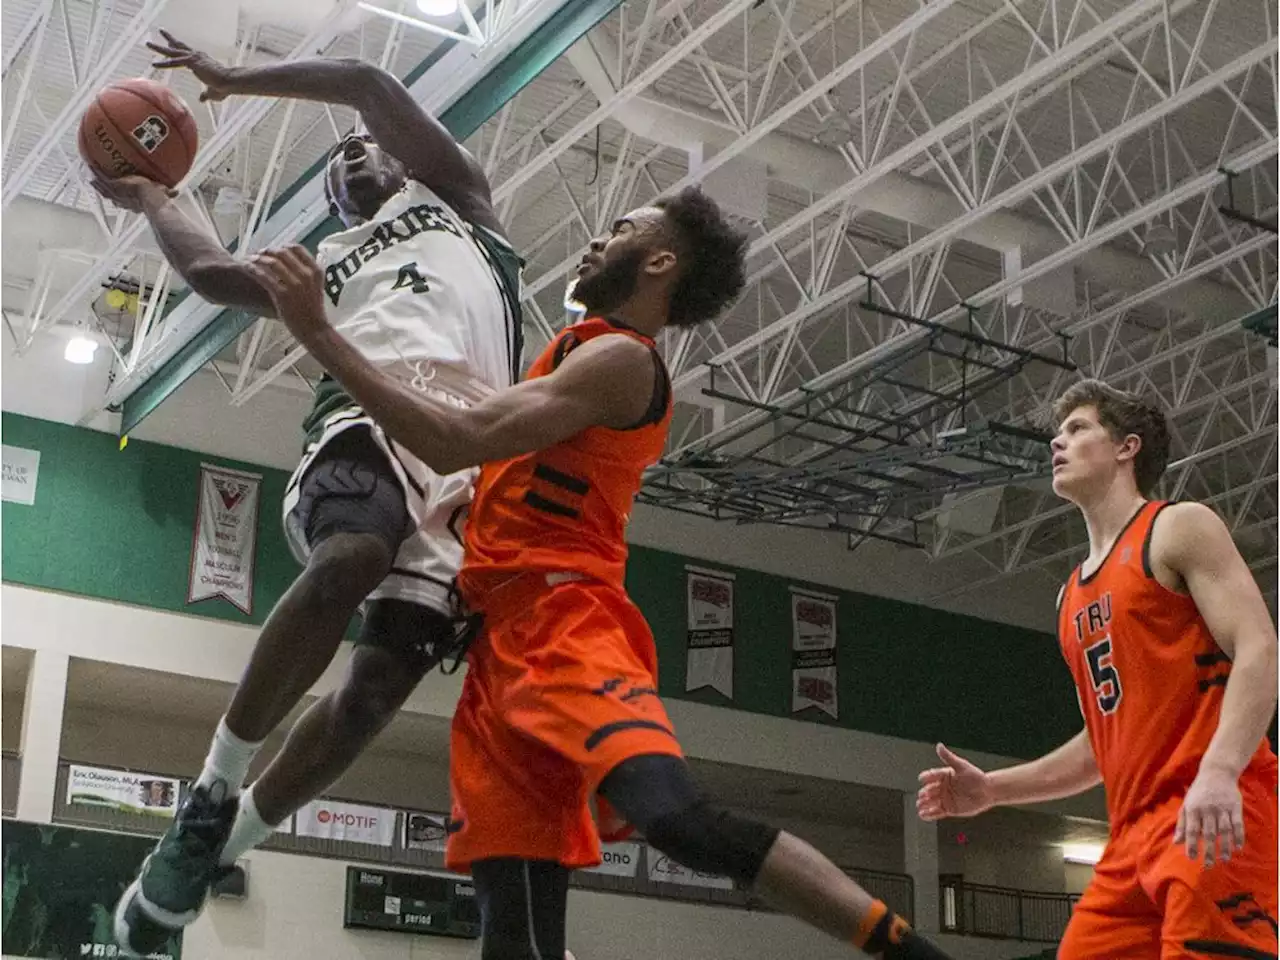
(632, 89)
(103, 70)
(900, 260)
(1166, 201)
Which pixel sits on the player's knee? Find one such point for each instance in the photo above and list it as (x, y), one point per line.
(344, 568)
(657, 795)
(375, 688)
(710, 840)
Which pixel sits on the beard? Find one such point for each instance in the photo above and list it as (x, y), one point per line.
(362, 195)
(612, 285)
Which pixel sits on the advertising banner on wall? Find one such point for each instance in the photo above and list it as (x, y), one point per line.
(225, 544)
(425, 831)
(120, 790)
(618, 860)
(662, 869)
(21, 470)
(349, 822)
(710, 637)
(813, 652)
(61, 885)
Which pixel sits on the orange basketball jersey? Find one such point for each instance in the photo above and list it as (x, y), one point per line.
(565, 508)
(1148, 673)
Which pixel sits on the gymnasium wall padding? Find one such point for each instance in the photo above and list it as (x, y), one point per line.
(117, 525)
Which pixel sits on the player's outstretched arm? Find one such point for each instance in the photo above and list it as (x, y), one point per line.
(962, 789)
(192, 250)
(608, 382)
(1191, 541)
(397, 121)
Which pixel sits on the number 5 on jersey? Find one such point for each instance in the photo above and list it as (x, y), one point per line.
(1102, 671)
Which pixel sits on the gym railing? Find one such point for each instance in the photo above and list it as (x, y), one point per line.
(896, 890)
(981, 910)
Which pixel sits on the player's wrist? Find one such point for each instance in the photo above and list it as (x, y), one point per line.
(153, 196)
(997, 789)
(320, 339)
(1229, 767)
(238, 80)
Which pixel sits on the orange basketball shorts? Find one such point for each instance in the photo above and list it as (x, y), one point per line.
(561, 688)
(1149, 901)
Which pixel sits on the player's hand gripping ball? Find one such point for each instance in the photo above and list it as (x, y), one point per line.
(138, 128)
(130, 193)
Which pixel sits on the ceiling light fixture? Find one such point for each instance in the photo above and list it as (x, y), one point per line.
(438, 8)
(80, 350)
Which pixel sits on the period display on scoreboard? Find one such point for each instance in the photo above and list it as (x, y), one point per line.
(411, 903)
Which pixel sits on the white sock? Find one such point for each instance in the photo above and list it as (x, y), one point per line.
(228, 760)
(247, 832)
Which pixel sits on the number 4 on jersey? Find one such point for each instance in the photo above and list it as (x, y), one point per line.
(409, 275)
(1102, 671)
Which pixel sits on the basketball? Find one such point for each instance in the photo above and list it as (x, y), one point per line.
(139, 127)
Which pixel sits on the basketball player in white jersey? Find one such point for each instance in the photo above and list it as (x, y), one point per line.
(421, 280)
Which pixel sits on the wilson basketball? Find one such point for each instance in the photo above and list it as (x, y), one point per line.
(139, 127)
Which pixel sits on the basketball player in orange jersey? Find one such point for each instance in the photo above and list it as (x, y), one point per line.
(560, 702)
(1174, 658)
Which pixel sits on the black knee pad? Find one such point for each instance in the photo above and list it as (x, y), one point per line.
(351, 489)
(417, 637)
(657, 795)
(715, 841)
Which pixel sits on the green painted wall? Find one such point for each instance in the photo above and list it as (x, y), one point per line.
(904, 670)
(117, 525)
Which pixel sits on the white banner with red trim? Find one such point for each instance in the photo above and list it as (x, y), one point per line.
(710, 637)
(225, 544)
(813, 652)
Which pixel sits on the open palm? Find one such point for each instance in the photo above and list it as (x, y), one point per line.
(176, 54)
(959, 789)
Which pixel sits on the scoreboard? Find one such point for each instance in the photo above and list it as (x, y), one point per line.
(411, 903)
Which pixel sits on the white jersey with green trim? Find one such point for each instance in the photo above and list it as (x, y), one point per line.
(419, 283)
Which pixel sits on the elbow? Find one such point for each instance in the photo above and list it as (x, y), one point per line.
(202, 277)
(369, 82)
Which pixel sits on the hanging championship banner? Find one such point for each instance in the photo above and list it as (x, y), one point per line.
(710, 606)
(349, 822)
(425, 831)
(226, 537)
(813, 652)
(119, 790)
(662, 869)
(617, 860)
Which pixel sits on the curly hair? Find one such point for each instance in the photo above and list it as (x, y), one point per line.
(1124, 414)
(713, 256)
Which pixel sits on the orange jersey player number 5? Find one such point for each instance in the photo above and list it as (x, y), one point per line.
(1149, 675)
